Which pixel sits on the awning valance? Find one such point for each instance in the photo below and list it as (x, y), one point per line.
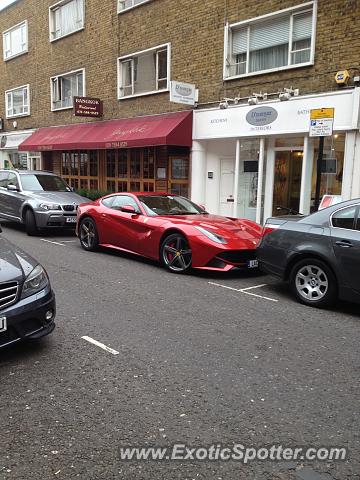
(166, 129)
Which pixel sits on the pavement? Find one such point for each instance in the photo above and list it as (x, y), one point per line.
(195, 359)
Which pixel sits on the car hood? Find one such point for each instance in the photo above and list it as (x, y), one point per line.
(15, 264)
(62, 198)
(224, 226)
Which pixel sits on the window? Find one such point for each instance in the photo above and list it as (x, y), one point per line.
(271, 42)
(13, 180)
(122, 200)
(127, 4)
(80, 169)
(66, 17)
(345, 218)
(4, 179)
(15, 41)
(17, 102)
(65, 87)
(144, 72)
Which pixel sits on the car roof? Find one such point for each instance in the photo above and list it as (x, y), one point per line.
(27, 172)
(322, 216)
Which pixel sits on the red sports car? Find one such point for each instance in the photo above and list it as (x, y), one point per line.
(169, 228)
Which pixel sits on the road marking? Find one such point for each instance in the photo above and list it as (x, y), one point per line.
(68, 241)
(244, 291)
(101, 345)
(255, 286)
(50, 241)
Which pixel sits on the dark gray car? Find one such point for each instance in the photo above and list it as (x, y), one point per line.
(38, 199)
(319, 254)
(27, 302)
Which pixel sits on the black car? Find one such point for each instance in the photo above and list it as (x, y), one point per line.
(319, 254)
(27, 302)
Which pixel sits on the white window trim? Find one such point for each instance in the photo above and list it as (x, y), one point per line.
(135, 54)
(253, 21)
(64, 75)
(119, 10)
(27, 86)
(51, 8)
(25, 22)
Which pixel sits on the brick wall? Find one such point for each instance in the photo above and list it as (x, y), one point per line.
(195, 30)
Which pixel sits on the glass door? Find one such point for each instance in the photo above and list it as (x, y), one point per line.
(287, 181)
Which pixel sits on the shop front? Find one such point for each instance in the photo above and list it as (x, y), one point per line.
(11, 157)
(258, 161)
(147, 154)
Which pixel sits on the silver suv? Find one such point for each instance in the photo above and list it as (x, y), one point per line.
(38, 199)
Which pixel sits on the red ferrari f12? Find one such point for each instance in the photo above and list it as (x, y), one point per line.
(170, 229)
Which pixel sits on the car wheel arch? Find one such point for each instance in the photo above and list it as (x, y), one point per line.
(169, 232)
(304, 255)
(25, 208)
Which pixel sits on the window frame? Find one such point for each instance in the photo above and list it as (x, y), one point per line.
(11, 29)
(22, 87)
(130, 58)
(291, 11)
(52, 9)
(123, 10)
(72, 72)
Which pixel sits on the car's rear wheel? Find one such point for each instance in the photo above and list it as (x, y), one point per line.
(30, 223)
(176, 254)
(88, 235)
(313, 283)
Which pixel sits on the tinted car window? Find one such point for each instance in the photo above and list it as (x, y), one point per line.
(47, 183)
(345, 218)
(122, 200)
(13, 180)
(4, 179)
(108, 201)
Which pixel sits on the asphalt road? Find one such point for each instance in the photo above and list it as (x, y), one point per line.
(197, 364)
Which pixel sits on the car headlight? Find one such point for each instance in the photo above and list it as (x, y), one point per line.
(211, 235)
(50, 206)
(36, 281)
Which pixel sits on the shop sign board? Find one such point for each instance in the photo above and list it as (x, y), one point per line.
(88, 107)
(321, 122)
(184, 93)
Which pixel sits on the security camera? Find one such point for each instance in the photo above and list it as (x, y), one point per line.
(223, 105)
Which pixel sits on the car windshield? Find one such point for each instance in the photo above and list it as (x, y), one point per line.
(47, 183)
(168, 205)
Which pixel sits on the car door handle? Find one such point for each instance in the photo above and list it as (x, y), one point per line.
(344, 244)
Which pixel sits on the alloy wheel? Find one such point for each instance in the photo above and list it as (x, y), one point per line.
(177, 255)
(311, 283)
(88, 234)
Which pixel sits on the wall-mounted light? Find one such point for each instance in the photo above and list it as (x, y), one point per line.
(15, 124)
(223, 105)
(288, 93)
(253, 101)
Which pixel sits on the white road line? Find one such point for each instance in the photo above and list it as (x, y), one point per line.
(242, 290)
(50, 241)
(255, 286)
(101, 345)
(68, 241)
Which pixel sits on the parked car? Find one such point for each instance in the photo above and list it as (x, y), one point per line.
(319, 254)
(169, 228)
(37, 199)
(27, 302)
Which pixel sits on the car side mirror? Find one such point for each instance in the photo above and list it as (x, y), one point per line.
(12, 188)
(202, 207)
(128, 209)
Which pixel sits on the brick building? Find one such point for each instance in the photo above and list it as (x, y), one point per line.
(245, 155)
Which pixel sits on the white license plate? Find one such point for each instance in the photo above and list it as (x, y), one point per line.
(70, 220)
(253, 264)
(3, 324)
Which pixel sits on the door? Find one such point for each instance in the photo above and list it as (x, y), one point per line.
(227, 173)
(179, 176)
(3, 192)
(345, 237)
(13, 199)
(287, 181)
(122, 229)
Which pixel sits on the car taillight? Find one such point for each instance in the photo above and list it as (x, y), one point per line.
(268, 228)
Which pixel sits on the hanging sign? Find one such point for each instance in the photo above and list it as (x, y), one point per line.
(321, 122)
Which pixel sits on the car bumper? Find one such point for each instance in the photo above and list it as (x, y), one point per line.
(26, 319)
(45, 219)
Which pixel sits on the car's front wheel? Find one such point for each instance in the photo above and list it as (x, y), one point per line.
(30, 223)
(88, 235)
(313, 283)
(176, 254)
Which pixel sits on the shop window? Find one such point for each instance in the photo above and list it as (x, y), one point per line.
(282, 40)
(15, 41)
(144, 72)
(332, 166)
(80, 169)
(128, 4)
(179, 174)
(66, 17)
(65, 87)
(18, 160)
(17, 102)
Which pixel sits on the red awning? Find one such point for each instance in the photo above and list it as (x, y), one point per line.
(167, 129)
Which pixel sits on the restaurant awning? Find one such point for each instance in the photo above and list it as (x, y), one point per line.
(166, 129)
